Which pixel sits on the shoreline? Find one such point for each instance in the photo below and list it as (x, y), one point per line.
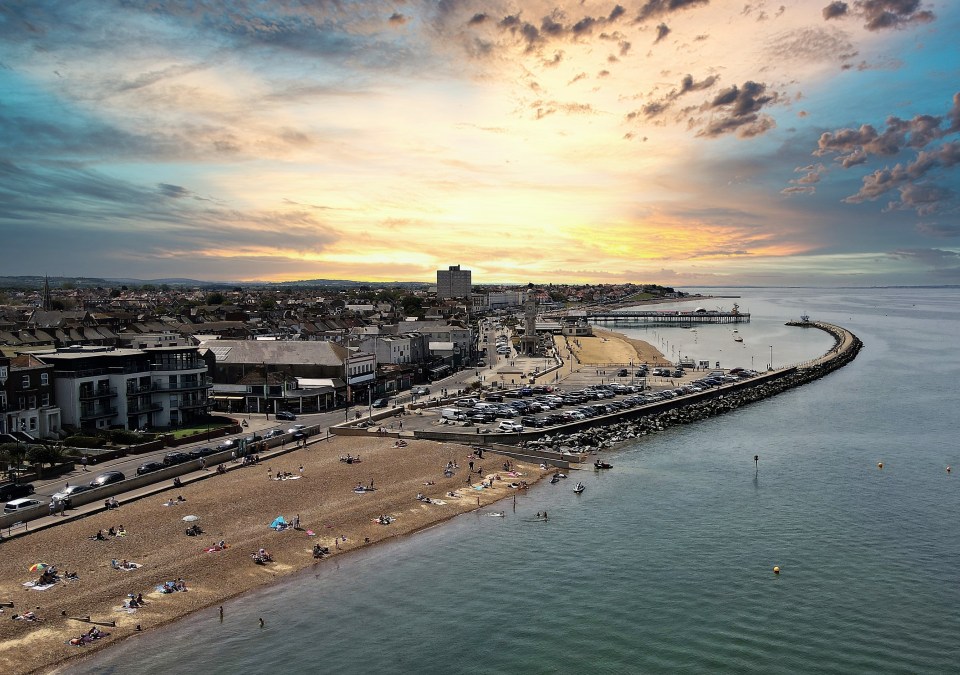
(237, 507)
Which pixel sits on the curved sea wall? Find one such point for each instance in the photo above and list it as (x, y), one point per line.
(603, 432)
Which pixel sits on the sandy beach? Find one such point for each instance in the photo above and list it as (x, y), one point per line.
(606, 347)
(238, 507)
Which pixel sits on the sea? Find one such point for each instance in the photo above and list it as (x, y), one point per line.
(665, 563)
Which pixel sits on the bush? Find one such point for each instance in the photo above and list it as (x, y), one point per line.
(125, 437)
(85, 441)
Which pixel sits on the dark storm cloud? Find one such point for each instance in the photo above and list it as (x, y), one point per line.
(663, 30)
(174, 191)
(653, 9)
(477, 19)
(835, 10)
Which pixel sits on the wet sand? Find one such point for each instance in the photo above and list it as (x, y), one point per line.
(237, 507)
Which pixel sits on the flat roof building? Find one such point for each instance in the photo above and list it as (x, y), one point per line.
(454, 283)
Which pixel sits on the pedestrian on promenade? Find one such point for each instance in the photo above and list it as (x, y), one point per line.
(83, 462)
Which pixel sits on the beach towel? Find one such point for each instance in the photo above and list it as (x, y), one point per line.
(37, 587)
(311, 533)
(437, 501)
(213, 549)
(278, 522)
(128, 610)
(130, 567)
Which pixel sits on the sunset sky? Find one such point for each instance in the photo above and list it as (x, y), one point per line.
(682, 142)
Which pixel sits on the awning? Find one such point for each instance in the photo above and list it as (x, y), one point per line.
(227, 398)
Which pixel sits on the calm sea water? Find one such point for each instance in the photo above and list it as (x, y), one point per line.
(664, 563)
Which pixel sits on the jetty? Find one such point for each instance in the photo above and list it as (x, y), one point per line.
(660, 317)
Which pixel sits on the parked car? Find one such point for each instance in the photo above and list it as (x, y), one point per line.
(228, 444)
(381, 403)
(273, 433)
(22, 504)
(253, 438)
(147, 467)
(172, 458)
(421, 391)
(106, 478)
(295, 428)
(10, 491)
(509, 426)
(69, 492)
(201, 452)
(285, 415)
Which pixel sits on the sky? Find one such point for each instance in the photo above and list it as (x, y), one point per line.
(680, 142)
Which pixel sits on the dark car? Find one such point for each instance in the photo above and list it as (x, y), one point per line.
(172, 458)
(148, 467)
(381, 403)
(107, 478)
(196, 453)
(535, 422)
(10, 491)
(286, 416)
(228, 444)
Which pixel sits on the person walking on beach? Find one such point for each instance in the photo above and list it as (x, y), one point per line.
(261, 622)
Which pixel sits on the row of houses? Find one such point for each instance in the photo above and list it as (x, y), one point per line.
(168, 379)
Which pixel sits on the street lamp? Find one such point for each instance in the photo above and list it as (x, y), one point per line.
(771, 357)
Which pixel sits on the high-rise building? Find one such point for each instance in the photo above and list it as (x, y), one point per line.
(454, 283)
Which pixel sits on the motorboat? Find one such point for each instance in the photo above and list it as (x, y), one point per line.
(602, 465)
(555, 479)
(580, 488)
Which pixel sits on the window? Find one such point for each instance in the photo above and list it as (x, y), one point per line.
(3, 372)
(45, 400)
(44, 379)
(26, 381)
(33, 424)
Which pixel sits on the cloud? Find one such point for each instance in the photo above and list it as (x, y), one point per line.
(657, 107)
(835, 10)
(932, 257)
(662, 31)
(881, 14)
(737, 109)
(881, 181)
(653, 9)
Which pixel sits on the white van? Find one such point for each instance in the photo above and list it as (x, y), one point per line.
(22, 504)
(452, 414)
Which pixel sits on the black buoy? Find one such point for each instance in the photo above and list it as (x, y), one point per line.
(756, 461)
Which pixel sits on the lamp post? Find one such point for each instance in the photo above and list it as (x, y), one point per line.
(771, 357)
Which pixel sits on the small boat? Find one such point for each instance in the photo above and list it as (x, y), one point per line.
(602, 465)
(497, 514)
(738, 339)
(555, 479)
(580, 488)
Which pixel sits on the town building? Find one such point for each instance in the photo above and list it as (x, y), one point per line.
(454, 282)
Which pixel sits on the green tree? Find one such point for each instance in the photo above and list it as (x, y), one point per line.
(412, 306)
(45, 454)
(13, 453)
(215, 298)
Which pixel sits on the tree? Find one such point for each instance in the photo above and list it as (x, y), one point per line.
(13, 453)
(45, 454)
(412, 306)
(215, 298)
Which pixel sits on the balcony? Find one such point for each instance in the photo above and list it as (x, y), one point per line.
(188, 405)
(99, 392)
(143, 408)
(197, 365)
(142, 389)
(185, 385)
(97, 414)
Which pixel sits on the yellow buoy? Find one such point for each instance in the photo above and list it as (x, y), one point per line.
(776, 569)
(879, 465)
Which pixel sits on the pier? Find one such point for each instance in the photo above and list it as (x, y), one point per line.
(663, 318)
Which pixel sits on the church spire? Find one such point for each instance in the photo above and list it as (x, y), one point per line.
(47, 302)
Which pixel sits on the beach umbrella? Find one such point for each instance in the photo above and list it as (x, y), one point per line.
(190, 519)
(38, 567)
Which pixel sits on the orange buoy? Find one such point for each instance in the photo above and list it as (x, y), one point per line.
(776, 569)
(879, 465)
